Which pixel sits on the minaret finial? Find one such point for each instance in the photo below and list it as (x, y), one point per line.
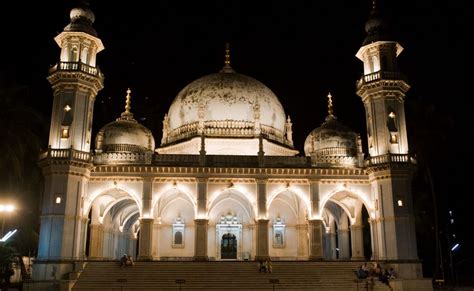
(127, 115)
(227, 68)
(373, 4)
(330, 111)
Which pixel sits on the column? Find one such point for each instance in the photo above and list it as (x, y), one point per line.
(262, 240)
(343, 243)
(201, 197)
(357, 242)
(200, 240)
(84, 225)
(332, 245)
(315, 228)
(145, 243)
(262, 198)
(314, 197)
(302, 247)
(96, 241)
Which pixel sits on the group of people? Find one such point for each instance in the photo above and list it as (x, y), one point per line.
(376, 270)
(265, 266)
(126, 260)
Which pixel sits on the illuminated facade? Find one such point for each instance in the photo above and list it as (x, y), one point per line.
(226, 182)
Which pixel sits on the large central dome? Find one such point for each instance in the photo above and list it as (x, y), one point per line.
(226, 114)
(232, 112)
(226, 97)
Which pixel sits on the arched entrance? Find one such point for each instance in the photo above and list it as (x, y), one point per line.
(229, 247)
(112, 226)
(347, 233)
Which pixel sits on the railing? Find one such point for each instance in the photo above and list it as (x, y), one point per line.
(124, 158)
(66, 154)
(336, 151)
(387, 75)
(217, 128)
(389, 158)
(231, 161)
(124, 148)
(76, 66)
(163, 159)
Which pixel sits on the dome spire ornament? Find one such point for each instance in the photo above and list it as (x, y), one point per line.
(127, 115)
(330, 108)
(227, 68)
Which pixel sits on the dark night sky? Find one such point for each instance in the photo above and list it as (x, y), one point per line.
(299, 49)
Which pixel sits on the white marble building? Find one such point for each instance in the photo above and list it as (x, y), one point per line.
(225, 183)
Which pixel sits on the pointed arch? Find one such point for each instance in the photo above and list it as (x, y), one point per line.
(299, 194)
(115, 191)
(333, 197)
(169, 196)
(236, 196)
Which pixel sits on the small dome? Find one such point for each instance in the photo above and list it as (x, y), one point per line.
(83, 12)
(332, 144)
(124, 135)
(124, 140)
(376, 28)
(82, 19)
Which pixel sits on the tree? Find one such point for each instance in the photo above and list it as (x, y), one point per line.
(7, 257)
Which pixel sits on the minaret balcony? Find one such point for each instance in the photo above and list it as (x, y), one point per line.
(66, 155)
(389, 159)
(76, 67)
(379, 75)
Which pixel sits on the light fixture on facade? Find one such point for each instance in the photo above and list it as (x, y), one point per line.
(393, 138)
(67, 108)
(391, 114)
(58, 199)
(400, 202)
(65, 132)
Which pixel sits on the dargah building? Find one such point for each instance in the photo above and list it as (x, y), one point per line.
(224, 181)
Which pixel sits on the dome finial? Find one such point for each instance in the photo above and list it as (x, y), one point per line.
(227, 68)
(227, 54)
(127, 115)
(128, 101)
(330, 111)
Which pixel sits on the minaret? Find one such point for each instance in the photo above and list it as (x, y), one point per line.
(75, 80)
(66, 165)
(382, 89)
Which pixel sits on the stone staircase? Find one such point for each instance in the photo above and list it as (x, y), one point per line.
(330, 276)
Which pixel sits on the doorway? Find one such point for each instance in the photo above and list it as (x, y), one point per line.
(229, 247)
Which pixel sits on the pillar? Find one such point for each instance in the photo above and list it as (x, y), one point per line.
(262, 240)
(96, 241)
(200, 240)
(146, 236)
(343, 243)
(315, 228)
(332, 245)
(357, 242)
(302, 246)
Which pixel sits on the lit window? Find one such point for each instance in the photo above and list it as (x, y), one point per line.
(58, 199)
(178, 233)
(278, 233)
(400, 202)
